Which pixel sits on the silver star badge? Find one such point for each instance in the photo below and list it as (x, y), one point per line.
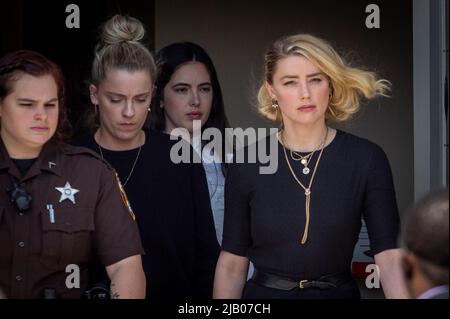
(67, 192)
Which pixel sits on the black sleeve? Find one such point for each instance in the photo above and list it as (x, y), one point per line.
(236, 229)
(207, 248)
(380, 206)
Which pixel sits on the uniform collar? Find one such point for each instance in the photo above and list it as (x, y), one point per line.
(49, 160)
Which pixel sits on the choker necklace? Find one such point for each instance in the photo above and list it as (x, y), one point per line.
(306, 189)
(297, 156)
(132, 167)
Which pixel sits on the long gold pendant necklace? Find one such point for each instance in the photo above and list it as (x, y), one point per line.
(306, 189)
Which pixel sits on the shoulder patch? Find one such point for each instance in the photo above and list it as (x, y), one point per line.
(124, 197)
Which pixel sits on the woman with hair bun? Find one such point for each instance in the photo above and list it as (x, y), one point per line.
(299, 226)
(170, 201)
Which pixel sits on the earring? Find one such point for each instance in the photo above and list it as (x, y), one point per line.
(149, 109)
(275, 104)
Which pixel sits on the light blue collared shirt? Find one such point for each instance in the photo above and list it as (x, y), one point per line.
(216, 187)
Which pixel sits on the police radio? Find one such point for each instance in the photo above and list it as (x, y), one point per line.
(19, 196)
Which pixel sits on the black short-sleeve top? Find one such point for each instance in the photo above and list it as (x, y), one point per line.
(265, 213)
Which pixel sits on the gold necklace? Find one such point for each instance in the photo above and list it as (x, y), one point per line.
(299, 157)
(132, 167)
(306, 189)
(304, 159)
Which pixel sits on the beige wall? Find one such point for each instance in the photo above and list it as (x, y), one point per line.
(236, 34)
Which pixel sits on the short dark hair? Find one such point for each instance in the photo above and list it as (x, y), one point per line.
(17, 63)
(426, 233)
(168, 60)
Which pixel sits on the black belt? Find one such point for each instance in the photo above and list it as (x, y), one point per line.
(284, 283)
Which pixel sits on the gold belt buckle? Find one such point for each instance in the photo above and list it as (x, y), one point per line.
(302, 282)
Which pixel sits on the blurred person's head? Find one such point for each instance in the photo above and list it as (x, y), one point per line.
(425, 237)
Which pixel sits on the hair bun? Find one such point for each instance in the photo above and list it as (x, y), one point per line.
(120, 29)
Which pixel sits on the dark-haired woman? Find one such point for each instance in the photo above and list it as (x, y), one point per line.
(188, 96)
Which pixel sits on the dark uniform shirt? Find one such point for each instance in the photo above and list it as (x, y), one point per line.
(89, 216)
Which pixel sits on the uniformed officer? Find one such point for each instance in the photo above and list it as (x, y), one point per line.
(59, 204)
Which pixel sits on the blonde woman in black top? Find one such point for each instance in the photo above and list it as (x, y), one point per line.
(299, 226)
(170, 200)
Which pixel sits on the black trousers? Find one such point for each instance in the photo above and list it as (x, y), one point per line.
(348, 290)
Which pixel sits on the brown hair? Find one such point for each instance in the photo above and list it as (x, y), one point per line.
(17, 63)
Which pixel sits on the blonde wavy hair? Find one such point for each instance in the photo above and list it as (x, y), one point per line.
(349, 85)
